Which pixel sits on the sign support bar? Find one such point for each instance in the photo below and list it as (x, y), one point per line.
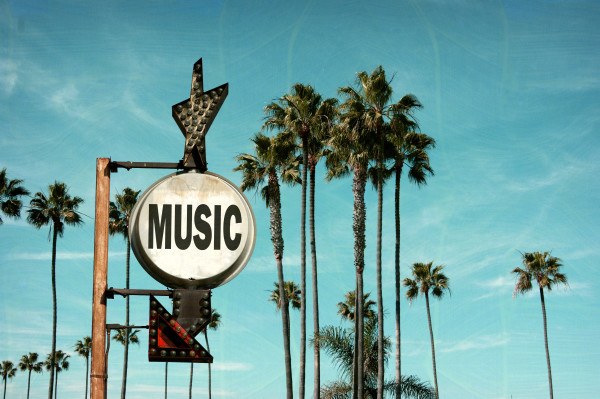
(98, 364)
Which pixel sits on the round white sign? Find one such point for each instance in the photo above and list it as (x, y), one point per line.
(192, 230)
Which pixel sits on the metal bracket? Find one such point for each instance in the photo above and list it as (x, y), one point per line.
(110, 292)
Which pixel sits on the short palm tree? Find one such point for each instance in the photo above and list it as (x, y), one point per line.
(83, 348)
(273, 159)
(293, 295)
(214, 324)
(7, 371)
(338, 342)
(301, 113)
(56, 209)
(119, 214)
(61, 362)
(346, 308)
(30, 363)
(426, 279)
(545, 270)
(10, 193)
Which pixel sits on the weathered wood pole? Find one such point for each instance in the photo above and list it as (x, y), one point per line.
(98, 369)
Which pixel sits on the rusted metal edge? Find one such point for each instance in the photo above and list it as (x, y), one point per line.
(120, 326)
(114, 165)
(110, 293)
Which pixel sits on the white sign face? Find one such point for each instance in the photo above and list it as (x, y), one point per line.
(192, 230)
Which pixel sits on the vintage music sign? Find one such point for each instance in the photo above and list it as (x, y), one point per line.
(192, 230)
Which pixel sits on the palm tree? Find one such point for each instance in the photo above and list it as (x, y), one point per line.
(338, 342)
(427, 278)
(351, 147)
(273, 157)
(55, 209)
(346, 308)
(409, 148)
(545, 269)
(301, 113)
(30, 363)
(10, 191)
(119, 213)
(214, 324)
(7, 371)
(293, 295)
(83, 348)
(59, 362)
(369, 107)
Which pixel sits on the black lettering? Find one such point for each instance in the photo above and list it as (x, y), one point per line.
(159, 228)
(202, 226)
(217, 226)
(231, 243)
(183, 243)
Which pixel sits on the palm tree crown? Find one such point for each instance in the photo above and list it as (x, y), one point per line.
(426, 279)
(292, 294)
(541, 267)
(120, 211)
(10, 191)
(57, 207)
(30, 364)
(7, 371)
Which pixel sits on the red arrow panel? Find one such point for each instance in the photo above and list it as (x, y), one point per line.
(169, 342)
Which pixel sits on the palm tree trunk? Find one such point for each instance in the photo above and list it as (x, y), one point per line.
(355, 354)
(358, 227)
(277, 240)
(56, 386)
(87, 372)
(315, 286)
(209, 370)
(166, 373)
(380, 355)
(437, 395)
(29, 383)
(4, 396)
(191, 377)
(546, 342)
(397, 278)
(302, 378)
(126, 343)
(53, 350)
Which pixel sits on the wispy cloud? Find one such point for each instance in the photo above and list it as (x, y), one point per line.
(232, 366)
(500, 285)
(8, 75)
(482, 342)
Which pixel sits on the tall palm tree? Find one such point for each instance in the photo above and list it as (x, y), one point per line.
(56, 209)
(338, 342)
(7, 371)
(369, 107)
(119, 214)
(83, 348)
(427, 279)
(60, 362)
(408, 148)
(300, 113)
(545, 270)
(351, 146)
(30, 363)
(10, 193)
(274, 157)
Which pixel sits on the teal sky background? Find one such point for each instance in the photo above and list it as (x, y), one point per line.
(510, 92)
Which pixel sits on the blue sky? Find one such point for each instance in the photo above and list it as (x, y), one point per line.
(510, 93)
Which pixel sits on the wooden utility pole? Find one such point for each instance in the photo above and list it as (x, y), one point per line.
(98, 371)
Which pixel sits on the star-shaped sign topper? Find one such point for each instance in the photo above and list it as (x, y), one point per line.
(194, 117)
